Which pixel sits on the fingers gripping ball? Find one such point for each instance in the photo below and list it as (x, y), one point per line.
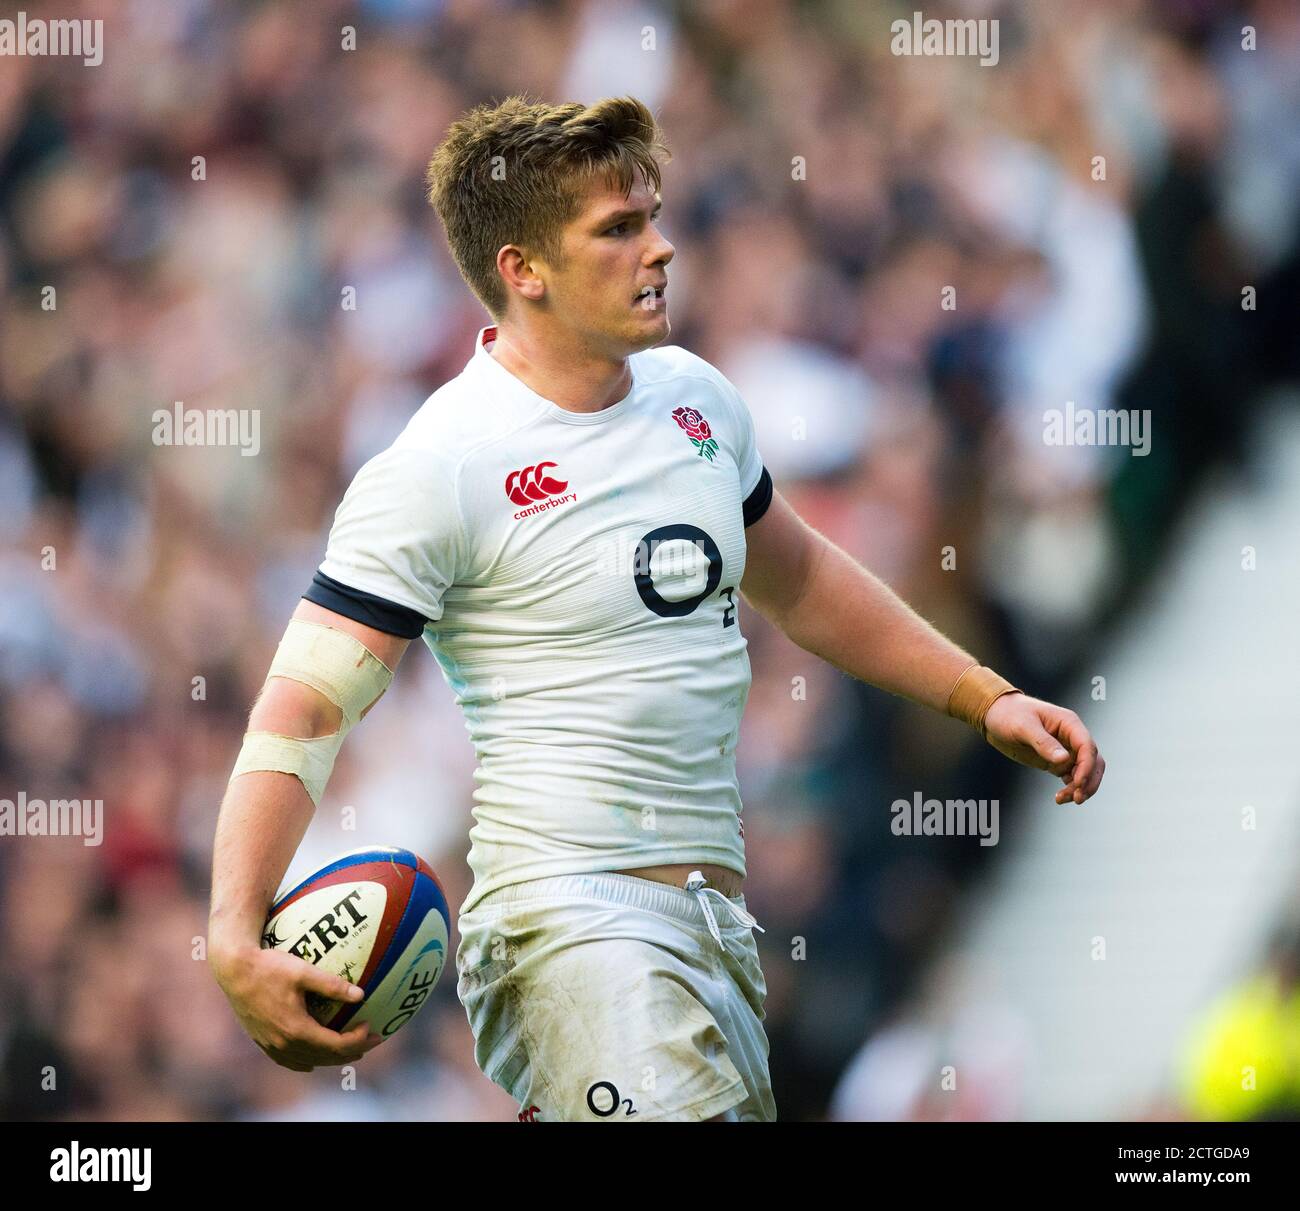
(378, 918)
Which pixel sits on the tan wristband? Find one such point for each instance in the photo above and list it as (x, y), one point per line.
(977, 689)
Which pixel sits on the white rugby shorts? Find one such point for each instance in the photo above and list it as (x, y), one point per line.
(607, 997)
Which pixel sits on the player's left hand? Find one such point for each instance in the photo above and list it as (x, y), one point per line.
(1043, 736)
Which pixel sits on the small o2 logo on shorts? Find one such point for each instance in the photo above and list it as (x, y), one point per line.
(603, 1100)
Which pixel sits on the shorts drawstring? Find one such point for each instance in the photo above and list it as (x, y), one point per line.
(695, 884)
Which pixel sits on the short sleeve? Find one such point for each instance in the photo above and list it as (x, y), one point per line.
(397, 541)
(755, 481)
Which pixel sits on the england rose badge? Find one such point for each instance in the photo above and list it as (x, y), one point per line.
(697, 429)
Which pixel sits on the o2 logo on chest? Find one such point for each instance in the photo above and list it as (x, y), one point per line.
(678, 567)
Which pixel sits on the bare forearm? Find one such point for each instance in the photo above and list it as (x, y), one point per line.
(830, 605)
(263, 818)
(266, 812)
(262, 822)
(854, 621)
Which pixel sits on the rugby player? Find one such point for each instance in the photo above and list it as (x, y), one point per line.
(570, 524)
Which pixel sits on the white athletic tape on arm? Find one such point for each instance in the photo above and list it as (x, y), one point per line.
(340, 667)
(312, 760)
(337, 664)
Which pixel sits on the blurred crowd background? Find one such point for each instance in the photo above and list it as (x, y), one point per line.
(128, 667)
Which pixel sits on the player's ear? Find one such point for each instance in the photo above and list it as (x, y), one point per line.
(519, 274)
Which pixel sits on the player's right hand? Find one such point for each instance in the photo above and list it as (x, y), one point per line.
(267, 990)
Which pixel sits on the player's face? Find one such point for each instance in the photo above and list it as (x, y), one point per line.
(612, 287)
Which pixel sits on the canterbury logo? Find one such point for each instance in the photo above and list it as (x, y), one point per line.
(532, 484)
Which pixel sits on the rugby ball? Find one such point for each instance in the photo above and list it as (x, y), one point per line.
(378, 918)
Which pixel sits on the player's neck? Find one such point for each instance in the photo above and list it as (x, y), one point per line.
(569, 376)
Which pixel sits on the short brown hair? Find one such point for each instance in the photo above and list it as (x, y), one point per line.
(516, 172)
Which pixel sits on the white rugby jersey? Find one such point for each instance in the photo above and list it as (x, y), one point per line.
(576, 576)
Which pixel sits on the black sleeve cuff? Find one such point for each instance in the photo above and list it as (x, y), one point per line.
(365, 608)
(759, 499)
